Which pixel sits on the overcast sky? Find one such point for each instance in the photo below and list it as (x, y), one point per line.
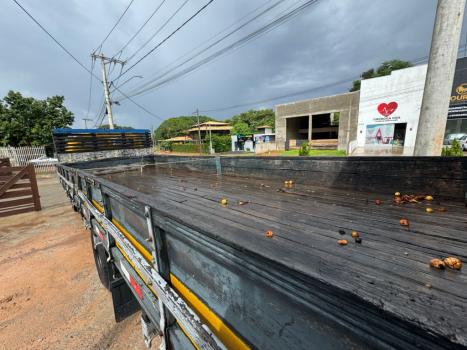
(328, 42)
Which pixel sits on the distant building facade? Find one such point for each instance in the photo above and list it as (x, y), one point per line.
(209, 128)
(329, 122)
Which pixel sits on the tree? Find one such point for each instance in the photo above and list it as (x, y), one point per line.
(241, 128)
(25, 121)
(384, 69)
(177, 126)
(252, 119)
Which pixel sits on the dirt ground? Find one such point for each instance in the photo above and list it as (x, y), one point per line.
(50, 294)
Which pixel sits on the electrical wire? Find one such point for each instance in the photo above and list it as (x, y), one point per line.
(158, 30)
(115, 25)
(140, 28)
(74, 58)
(416, 61)
(169, 36)
(266, 28)
(200, 52)
(93, 61)
(53, 38)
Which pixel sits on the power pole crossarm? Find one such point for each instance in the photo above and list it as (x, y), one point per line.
(440, 76)
(108, 101)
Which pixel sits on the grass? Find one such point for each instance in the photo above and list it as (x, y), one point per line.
(316, 153)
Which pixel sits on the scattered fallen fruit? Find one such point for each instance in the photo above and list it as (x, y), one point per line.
(224, 201)
(453, 263)
(429, 198)
(243, 202)
(429, 210)
(269, 234)
(355, 234)
(441, 210)
(378, 202)
(404, 222)
(397, 194)
(409, 198)
(358, 240)
(428, 285)
(342, 232)
(343, 242)
(437, 264)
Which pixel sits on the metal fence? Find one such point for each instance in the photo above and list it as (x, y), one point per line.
(22, 156)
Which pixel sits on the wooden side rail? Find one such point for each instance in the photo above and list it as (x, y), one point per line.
(18, 190)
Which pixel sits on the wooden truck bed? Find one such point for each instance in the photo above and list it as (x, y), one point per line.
(386, 277)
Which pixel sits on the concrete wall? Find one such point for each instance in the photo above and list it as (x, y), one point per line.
(405, 87)
(88, 156)
(347, 104)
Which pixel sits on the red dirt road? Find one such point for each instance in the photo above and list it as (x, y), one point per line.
(50, 294)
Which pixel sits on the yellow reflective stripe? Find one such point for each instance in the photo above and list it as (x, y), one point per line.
(219, 328)
(147, 255)
(98, 206)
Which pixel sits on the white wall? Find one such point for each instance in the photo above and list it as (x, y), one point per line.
(405, 87)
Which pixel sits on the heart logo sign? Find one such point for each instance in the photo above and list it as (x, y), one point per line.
(386, 109)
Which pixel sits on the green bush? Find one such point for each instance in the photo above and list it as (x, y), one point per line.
(186, 148)
(304, 150)
(221, 143)
(454, 151)
(165, 145)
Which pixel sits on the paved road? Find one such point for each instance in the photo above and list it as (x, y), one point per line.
(50, 295)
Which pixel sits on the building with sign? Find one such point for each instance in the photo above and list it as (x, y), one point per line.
(457, 117)
(390, 109)
(389, 112)
(380, 119)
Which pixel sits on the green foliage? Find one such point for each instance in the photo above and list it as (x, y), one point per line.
(247, 122)
(176, 126)
(185, 147)
(335, 118)
(25, 121)
(241, 128)
(221, 143)
(454, 151)
(316, 153)
(166, 145)
(304, 150)
(384, 69)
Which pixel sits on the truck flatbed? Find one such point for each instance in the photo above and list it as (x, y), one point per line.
(386, 277)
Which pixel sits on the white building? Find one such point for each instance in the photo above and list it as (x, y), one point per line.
(389, 111)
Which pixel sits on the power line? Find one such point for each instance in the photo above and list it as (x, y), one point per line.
(210, 38)
(416, 61)
(169, 36)
(53, 38)
(264, 29)
(200, 52)
(90, 86)
(71, 55)
(158, 30)
(140, 28)
(297, 93)
(115, 25)
(140, 106)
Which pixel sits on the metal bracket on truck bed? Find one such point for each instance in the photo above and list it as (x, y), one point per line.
(197, 331)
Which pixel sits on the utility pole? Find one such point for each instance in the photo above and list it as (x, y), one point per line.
(440, 76)
(199, 130)
(86, 122)
(108, 101)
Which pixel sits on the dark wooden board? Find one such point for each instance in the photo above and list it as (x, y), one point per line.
(390, 269)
